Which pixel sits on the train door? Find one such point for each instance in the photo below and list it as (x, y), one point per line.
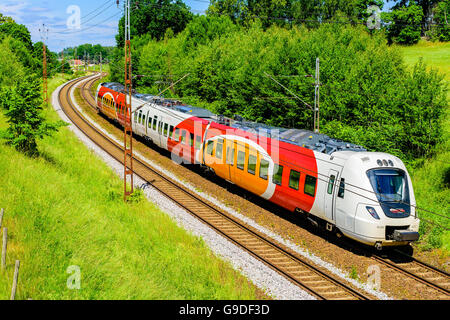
(160, 131)
(220, 167)
(230, 159)
(241, 159)
(164, 134)
(140, 121)
(153, 129)
(330, 195)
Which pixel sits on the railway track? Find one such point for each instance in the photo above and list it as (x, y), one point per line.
(300, 272)
(297, 270)
(432, 277)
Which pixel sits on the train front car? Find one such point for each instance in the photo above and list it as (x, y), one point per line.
(375, 202)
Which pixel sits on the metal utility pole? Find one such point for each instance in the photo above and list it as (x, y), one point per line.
(62, 62)
(75, 60)
(44, 37)
(317, 98)
(128, 131)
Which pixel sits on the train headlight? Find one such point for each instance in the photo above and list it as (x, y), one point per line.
(373, 213)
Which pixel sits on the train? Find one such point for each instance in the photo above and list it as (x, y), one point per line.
(340, 186)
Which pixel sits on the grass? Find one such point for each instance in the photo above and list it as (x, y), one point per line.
(431, 176)
(64, 208)
(435, 54)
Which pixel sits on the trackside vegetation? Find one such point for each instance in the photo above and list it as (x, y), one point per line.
(64, 208)
(431, 177)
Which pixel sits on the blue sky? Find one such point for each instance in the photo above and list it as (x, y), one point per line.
(99, 19)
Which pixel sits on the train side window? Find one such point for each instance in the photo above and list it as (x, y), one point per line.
(240, 160)
(277, 174)
(135, 117)
(251, 168)
(210, 148)
(183, 137)
(331, 184)
(140, 117)
(166, 129)
(198, 142)
(264, 169)
(341, 188)
(310, 186)
(294, 179)
(150, 120)
(155, 122)
(171, 131)
(219, 149)
(176, 135)
(143, 119)
(191, 139)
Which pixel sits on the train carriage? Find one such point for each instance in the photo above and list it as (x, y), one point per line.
(366, 196)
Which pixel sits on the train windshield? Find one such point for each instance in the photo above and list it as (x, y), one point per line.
(390, 185)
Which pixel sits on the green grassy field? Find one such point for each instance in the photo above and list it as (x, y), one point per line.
(431, 176)
(64, 208)
(435, 54)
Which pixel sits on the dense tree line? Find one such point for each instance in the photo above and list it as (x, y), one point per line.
(88, 50)
(367, 95)
(405, 23)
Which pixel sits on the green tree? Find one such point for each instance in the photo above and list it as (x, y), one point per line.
(23, 110)
(154, 17)
(404, 24)
(11, 68)
(441, 28)
(16, 31)
(427, 10)
(5, 19)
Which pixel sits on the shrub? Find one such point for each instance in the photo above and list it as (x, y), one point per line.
(23, 109)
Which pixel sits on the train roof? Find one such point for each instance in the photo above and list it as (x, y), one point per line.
(303, 138)
(195, 111)
(114, 86)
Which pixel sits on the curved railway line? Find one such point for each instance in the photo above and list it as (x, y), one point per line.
(310, 278)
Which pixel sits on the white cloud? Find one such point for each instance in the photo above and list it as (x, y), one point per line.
(13, 9)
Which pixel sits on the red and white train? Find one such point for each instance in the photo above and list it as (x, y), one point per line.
(366, 196)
